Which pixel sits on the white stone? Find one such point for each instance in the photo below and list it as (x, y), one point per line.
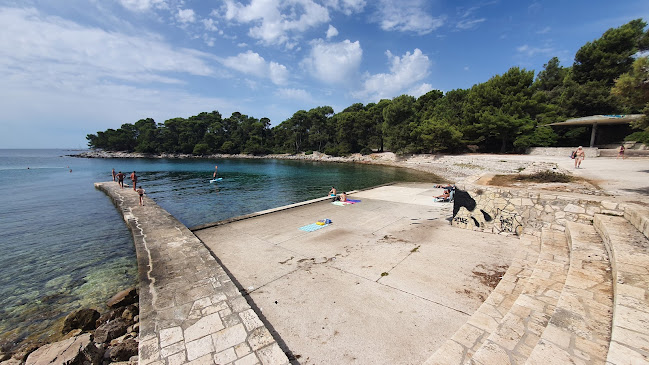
(169, 336)
(250, 319)
(204, 327)
(251, 359)
(609, 205)
(229, 337)
(272, 355)
(571, 208)
(200, 347)
(225, 357)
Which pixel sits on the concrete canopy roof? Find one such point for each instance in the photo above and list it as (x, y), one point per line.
(601, 119)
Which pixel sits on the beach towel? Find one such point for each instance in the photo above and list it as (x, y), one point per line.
(353, 201)
(312, 227)
(342, 203)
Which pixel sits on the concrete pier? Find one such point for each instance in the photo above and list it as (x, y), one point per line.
(190, 310)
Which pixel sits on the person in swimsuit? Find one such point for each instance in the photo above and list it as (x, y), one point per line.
(332, 192)
(114, 174)
(140, 192)
(580, 155)
(621, 153)
(134, 179)
(215, 169)
(120, 179)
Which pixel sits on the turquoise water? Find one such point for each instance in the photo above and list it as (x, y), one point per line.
(64, 245)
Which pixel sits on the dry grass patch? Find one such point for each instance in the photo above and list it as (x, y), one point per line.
(539, 178)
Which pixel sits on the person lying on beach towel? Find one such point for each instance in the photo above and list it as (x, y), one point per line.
(447, 196)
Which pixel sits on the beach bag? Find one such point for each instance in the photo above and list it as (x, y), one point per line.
(573, 154)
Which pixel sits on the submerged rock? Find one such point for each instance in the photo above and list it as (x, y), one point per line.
(83, 319)
(123, 298)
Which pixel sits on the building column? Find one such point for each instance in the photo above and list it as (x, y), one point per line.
(592, 135)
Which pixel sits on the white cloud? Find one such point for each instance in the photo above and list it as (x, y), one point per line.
(294, 94)
(469, 23)
(276, 22)
(420, 90)
(252, 63)
(407, 16)
(332, 31)
(334, 62)
(58, 53)
(347, 7)
(278, 73)
(532, 51)
(545, 30)
(404, 72)
(209, 25)
(143, 5)
(186, 15)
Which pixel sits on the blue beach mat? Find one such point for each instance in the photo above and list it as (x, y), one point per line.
(312, 227)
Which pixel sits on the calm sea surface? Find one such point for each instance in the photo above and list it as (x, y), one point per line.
(64, 246)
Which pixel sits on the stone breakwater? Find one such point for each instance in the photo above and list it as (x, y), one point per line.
(190, 309)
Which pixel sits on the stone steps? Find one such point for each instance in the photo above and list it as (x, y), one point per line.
(586, 301)
(466, 340)
(639, 217)
(520, 329)
(580, 327)
(629, 252)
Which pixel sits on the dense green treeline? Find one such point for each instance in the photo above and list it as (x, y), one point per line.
(506, 113)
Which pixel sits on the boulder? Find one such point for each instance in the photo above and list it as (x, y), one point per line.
(83, 319)
(73, 351)
(111, 330)
(130, 312)
(123, 298)
(124, 351)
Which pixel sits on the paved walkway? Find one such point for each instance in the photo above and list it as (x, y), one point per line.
(190, 310)
(387, 283)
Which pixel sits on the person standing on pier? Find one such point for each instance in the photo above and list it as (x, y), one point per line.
(120, 179)
(134, 179)
(140, 192)
(114, 174)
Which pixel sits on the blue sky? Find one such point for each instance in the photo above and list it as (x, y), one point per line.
(73, 67)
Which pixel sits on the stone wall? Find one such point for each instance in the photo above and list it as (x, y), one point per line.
(512, 211)
(561, 151)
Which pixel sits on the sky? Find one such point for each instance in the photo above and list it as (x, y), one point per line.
(73, 67)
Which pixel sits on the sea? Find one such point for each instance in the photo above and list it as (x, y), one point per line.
(64, 245)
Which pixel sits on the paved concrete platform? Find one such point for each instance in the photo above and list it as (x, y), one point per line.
(387, 283)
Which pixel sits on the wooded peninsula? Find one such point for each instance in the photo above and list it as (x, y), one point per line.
(507, 113)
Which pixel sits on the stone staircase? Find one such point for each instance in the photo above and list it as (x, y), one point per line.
(574, 297)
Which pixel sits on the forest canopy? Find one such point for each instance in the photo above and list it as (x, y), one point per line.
(508, 112)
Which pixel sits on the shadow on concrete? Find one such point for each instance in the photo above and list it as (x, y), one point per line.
(643, 191)
(255, 307)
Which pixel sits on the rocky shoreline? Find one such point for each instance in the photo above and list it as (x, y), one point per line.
(452, 168)
(88, 337)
